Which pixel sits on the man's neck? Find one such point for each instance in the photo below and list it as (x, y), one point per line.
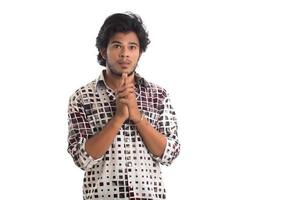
(113, 81)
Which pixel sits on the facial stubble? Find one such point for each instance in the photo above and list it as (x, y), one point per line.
(119, 74)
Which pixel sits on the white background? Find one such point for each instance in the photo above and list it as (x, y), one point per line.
(231, 67)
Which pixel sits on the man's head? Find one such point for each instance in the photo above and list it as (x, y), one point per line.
(121, 41)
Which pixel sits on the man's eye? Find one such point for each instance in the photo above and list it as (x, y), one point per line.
(117, 46)
(132, 47)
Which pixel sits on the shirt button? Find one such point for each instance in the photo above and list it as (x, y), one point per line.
(127, 152)
(128, 164)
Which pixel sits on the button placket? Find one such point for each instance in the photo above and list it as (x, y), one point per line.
(128, 162)
(128, 156)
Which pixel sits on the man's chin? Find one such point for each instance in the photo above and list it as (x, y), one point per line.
(119, 74)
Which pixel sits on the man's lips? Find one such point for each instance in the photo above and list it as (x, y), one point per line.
(124, 63)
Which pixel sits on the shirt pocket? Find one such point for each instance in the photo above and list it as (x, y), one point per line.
(97, 115)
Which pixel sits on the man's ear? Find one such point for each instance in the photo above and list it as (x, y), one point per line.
(103, 53)
(140, 55)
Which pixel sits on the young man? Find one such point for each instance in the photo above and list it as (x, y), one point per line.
(121, 127)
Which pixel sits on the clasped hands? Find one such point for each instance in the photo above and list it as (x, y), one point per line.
(126, 103)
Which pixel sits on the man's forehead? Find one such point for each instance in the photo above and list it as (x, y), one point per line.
(129, 37)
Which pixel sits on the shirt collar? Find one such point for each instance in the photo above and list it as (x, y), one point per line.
(101, 80)
(140, 80)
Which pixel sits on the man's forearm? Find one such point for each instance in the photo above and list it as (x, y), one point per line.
(97, 145)
(156, 142)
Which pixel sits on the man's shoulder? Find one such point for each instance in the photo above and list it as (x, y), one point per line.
(156, 88)
(84, 90)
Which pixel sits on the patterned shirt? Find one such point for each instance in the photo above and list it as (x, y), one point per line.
(128, 170)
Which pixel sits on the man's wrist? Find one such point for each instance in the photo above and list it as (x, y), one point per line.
(140, 119)
(119, 120)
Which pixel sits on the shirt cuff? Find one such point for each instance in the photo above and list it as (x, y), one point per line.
(166, 158)
(87, 160)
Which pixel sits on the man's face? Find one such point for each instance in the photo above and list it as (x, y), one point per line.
(122, 53)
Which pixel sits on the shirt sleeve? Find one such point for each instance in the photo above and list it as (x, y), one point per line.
(167, 124)
(79, 132)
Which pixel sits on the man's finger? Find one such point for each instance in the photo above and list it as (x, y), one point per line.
(123, 101)
(125, 92)
(124, 75)
(125, 87)
(125, 78)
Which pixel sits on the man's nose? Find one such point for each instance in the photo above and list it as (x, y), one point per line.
(124, 52)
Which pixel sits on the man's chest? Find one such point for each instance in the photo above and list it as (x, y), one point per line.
(99, 108)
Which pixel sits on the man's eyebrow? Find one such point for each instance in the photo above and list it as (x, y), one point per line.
(134, 43)
(118, 42)
(115, 41)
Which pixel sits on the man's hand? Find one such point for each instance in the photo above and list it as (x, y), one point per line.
(122, 109)
(126, 95)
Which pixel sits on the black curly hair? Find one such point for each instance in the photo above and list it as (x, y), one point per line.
(121, 22)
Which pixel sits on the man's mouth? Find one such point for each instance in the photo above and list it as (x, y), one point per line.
(124, 63)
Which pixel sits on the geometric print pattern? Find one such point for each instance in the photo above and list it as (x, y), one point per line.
(127, 170)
